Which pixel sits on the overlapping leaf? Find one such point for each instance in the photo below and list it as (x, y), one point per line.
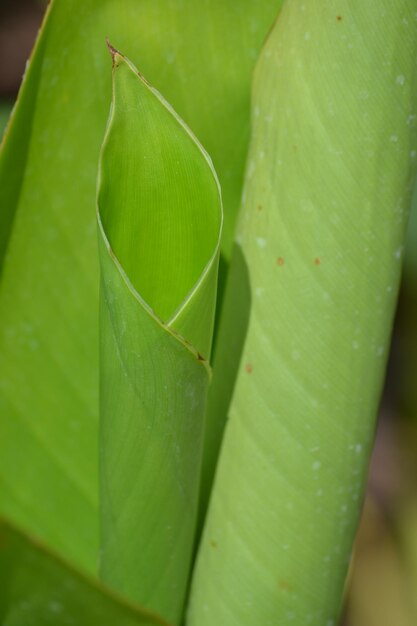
(411, 248)
(331, 168)
(39, 589)
(200, 56)
(160, 223)
(5, 108)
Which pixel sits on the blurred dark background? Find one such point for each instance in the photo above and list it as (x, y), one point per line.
(382, 583)
(19, 23)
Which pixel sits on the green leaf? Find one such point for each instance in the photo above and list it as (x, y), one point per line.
(5, 108)
(407, 327)
(39, 589)
(410, 261)
(229, 343)
(331, 166)
(200, 55)
(160, 223)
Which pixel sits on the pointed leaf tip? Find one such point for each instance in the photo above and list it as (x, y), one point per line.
(113, 51)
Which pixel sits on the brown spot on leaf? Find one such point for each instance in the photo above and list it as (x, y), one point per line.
(339, 18)
(213, 543)
(285, 585)
(249, 368)
(317, 261)
(280, 261)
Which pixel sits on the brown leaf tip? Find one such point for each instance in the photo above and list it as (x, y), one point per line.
(285, 585)
(112, 49)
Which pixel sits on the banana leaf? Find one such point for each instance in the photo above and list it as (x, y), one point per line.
(39, 589)
(410, 262)
(331, 168)
(200, 55)
(160, 220)
(407, 321)
(5, 108)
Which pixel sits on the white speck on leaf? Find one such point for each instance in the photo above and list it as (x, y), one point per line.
(55, 607)
(251, 168)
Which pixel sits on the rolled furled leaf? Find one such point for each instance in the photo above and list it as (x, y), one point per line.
(160, 216)
(200, 55)
(328, 184)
